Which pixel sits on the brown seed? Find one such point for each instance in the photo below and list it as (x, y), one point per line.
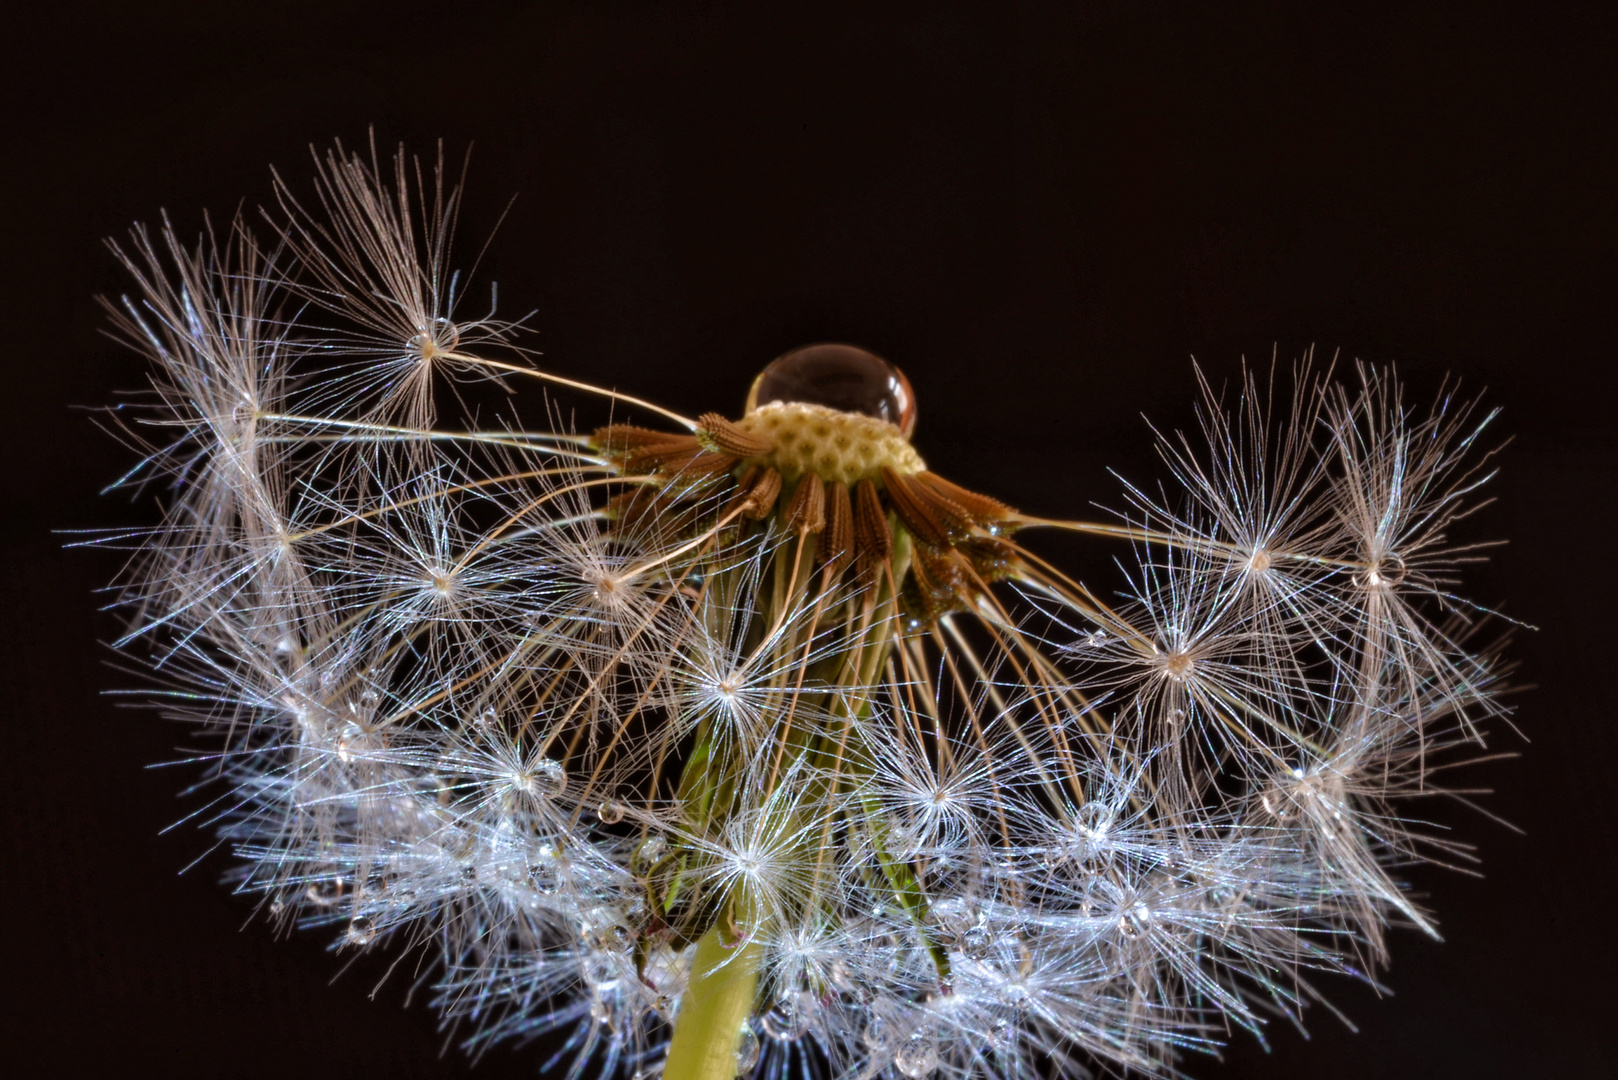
(627, 437)
(726, 437)
(911, 501)
(763, 493)
(806, 513)
(837, 539)
(981, 508)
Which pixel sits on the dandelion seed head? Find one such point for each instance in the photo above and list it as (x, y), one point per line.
(757, 717)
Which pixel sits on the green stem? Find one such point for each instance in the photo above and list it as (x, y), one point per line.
(720, 998)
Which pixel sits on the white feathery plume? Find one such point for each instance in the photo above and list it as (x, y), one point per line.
(749, 744)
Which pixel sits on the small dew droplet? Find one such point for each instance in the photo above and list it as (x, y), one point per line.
(324, 893)
(917, 1056)
(600, 1012)
(361, 931)
(547, 780)
(877, 1034)
(1094, 819)
(1012, 994)
(787, 1022)
(544, 876)
(746, 1050)
(976, 943)
(650, 852)
(611, 812)
(950, 918)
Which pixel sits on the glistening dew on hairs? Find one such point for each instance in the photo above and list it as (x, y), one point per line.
(748, 742)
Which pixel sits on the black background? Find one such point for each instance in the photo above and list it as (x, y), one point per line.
(1040, 211)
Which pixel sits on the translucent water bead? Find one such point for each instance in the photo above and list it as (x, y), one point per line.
(841, 377)
(917, 1056)
(746, 1050)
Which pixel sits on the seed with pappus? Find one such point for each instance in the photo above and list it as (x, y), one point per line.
(747, 741)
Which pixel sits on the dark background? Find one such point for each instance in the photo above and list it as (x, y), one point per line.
(1040, 211)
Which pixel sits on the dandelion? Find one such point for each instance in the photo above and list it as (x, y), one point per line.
(716, 745)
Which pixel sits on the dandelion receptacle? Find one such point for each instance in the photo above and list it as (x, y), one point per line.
(718, 744)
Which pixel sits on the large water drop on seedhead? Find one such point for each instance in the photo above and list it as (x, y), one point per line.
(841, 377)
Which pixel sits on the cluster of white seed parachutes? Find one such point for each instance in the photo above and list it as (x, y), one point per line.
(664, 732)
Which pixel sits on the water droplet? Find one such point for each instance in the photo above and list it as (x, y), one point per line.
(1136, 921)
(789, 1020)
(650, 852)
(1001, 1033)
(361, 931)
(1278, 803)
(369, 697)
(600, 1011)
(1093, 819)
(878, 1034)
(950, 917)
(1092, 830)
(1387, 573)
(917, 1056)
(841, 377)
(546, 780)
(324, 893)
(746, 1050)
(976, 943)
(1013, 994)
(487, 717)
(841, 977)
(544, 877)
(611, 812)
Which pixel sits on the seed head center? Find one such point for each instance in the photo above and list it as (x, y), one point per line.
(835, 445)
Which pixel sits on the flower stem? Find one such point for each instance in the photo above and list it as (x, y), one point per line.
(708, 1030)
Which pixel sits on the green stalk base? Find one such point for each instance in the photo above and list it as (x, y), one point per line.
(708, 1030)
